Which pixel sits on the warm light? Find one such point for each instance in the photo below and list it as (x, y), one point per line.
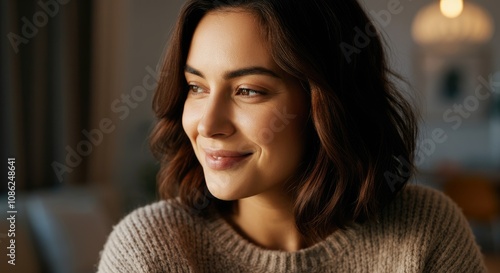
(474, 26)
(452, 8)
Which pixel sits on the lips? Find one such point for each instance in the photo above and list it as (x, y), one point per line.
(223, 160)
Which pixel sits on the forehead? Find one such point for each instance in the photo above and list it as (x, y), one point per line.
(229, 38)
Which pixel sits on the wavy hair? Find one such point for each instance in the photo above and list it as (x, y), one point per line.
(362, 129)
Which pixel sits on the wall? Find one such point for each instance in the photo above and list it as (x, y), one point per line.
(148, 23)
(470, 144)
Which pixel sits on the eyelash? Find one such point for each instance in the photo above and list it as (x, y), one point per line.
(192, 87)
(248, 90)
(239, 91)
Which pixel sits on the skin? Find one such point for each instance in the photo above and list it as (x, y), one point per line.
(245, 118)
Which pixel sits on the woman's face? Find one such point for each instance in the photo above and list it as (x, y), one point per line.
(244, 116)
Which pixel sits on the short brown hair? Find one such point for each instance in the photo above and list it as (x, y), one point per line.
(362, 130)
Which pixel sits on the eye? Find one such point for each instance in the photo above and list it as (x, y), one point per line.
(195, 89)
(246, 92)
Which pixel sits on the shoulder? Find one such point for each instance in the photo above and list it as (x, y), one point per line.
(429, 223)
(148, 238)
(425, 201)
(423, 209)
(162, 213)
(159, 219)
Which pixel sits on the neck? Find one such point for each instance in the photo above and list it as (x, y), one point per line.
(268, 222)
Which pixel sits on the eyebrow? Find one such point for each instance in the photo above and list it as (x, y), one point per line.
(253, 70)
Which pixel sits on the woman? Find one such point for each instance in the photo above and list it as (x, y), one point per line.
(285, 148)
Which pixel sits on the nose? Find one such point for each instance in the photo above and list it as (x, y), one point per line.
(216, 120)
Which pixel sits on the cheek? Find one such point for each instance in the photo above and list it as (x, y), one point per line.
(288, 140)
(254, 125)
(277, 129)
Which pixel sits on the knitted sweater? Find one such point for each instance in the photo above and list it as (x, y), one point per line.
(422, 230)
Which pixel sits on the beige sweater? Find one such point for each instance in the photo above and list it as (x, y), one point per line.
(421, 231)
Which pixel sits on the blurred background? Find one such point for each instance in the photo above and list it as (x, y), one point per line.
(77, 79)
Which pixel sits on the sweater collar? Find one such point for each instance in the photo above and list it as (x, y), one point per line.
(239, 250)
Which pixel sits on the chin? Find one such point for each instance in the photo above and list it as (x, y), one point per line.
(222, 190)
(218, 189)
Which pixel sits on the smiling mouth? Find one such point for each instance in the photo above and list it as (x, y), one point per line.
(224, 160)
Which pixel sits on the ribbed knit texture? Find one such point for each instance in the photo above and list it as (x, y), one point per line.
(420, 231)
